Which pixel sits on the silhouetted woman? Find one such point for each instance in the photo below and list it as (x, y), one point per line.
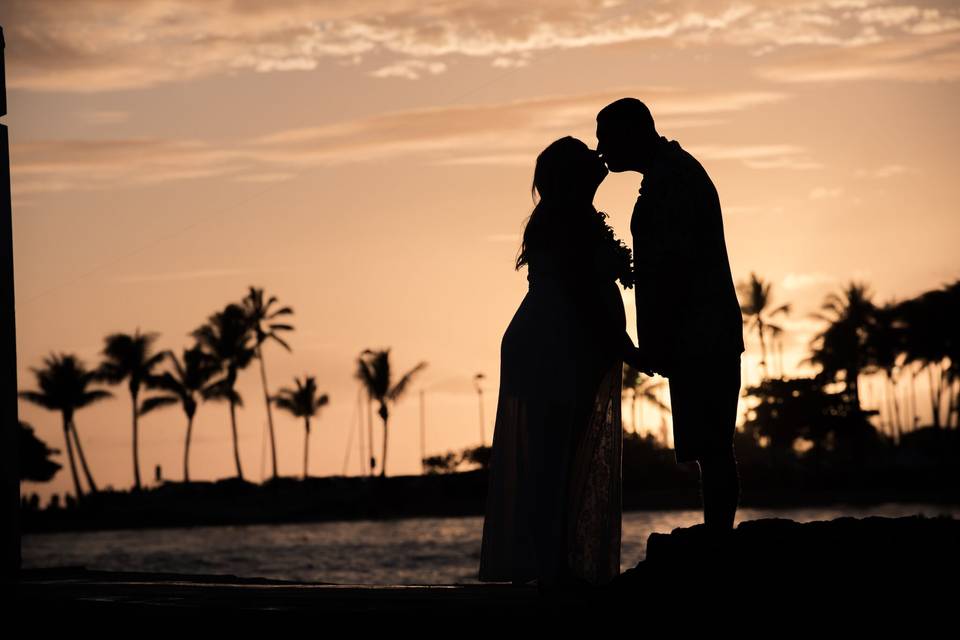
(553, 508)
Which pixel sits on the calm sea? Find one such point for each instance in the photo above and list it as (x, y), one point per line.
(408, 551)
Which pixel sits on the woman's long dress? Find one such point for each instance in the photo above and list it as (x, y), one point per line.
(554, 495)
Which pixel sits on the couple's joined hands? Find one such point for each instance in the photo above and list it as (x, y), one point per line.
(648, 361)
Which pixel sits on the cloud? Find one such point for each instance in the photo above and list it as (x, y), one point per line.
(825, 193)
(61, 165)
(93, 46)
(196, 274)
(510, 63)
(760, 156)
(886, 171)
(509, 133)
(911, 58)
(104, 117)
(409, 69)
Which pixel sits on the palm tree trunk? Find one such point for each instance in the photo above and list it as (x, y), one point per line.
(186, 451)
(306, 448)
(483, 438)
(763, 348)
(913, 398)
(83, 459)
(266, 397)
(780, 356)
(360, 443)
(383, 462)
(73, 464)
(423, 436)
(892, 401)
(934, 397)
(898, 423)
(236, 448)
(373, 462)
(136, 460)
(853, 383)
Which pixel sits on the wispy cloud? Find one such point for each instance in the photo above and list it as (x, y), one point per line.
(91, 46)
(825, 193)
(885, 171)
(912, 58)
(760, 156)
(61, 165)
(509, 133)
(104, 117)
(409, 69)
(196, 274)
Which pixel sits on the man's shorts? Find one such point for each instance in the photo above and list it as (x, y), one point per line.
(703, 399)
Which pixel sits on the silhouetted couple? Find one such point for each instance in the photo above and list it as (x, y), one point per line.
(554, 501)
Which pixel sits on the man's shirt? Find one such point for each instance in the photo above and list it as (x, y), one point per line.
(687, 307)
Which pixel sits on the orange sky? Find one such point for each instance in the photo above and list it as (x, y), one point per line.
(370, 164)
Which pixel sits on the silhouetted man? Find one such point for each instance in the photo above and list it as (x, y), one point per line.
(689, 325)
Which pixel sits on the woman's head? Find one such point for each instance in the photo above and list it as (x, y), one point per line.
(568, 171)
(566, 177)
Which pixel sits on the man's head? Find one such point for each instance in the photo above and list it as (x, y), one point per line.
(626, 135)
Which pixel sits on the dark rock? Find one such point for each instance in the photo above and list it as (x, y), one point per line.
(902, 558)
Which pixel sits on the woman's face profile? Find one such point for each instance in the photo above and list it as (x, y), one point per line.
(574, 168)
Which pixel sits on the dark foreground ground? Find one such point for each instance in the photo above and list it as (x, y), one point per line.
(867, 569)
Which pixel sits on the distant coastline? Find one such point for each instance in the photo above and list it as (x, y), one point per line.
(232, 501)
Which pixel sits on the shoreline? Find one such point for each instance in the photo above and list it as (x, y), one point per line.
(185, 515)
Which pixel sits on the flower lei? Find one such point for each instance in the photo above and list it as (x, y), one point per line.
(612, 255)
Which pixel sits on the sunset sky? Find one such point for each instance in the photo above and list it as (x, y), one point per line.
(369, 163)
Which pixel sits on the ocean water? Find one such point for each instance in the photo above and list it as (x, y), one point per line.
(405, 551)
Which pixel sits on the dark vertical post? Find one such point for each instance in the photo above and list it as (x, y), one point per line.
(9, 424)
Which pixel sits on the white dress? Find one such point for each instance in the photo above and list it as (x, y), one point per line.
(554, 501)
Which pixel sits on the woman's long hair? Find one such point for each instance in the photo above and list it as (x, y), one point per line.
(554, 178)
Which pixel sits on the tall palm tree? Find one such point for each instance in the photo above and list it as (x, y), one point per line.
(63, 385)
(885, 344)
(755, 303)
(259, 314)
(183, 385)
(932, 341)
(642, 388)
(477, 379)
(841, 346)
(227, 337)
(374, 373)
(776, 342)
(302, 402)
(128, 357)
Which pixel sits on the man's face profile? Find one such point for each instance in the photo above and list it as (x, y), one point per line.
(611, 139)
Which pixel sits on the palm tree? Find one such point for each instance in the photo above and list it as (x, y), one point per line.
(302, 402)
(128, 357)
(932, 341)
(259, 313)
(756, 296)
(477, 379)
(841, 347)
(374, 373)
(226, 337)
(182, 386)
(885, 344)
(63, 387)
(642, 388)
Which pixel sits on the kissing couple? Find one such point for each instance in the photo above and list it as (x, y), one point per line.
(554, 498)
